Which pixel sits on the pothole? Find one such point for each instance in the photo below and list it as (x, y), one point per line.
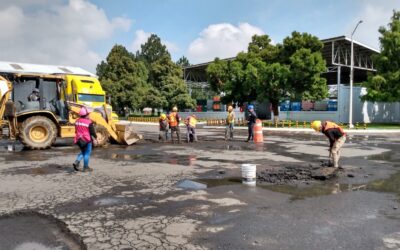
(32, 230)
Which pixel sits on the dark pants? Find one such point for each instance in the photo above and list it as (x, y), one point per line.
(251, 127)
(191, 132)
(177, 131)
(163, 135)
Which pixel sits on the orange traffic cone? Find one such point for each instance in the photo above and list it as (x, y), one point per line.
(258, 133)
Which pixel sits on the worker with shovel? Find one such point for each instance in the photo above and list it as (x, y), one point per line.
(336, 136)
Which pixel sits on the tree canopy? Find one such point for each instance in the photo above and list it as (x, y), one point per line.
(385, 85)
(272, 72)
(148, 79)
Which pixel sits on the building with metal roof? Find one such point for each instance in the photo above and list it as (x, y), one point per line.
(337, 55)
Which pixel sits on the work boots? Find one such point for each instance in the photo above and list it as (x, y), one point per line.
(76, 165)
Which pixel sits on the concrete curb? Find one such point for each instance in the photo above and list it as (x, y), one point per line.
(309, 130)
(304, 130)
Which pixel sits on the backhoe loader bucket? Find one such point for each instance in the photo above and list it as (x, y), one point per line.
(126, 134)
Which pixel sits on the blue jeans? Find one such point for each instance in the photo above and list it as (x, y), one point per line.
(85, 155)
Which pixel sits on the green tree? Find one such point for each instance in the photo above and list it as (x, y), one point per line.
(384, 86)
(124, 78)
(153, 50)
(165, 76)
(272, 72)
(183, 62)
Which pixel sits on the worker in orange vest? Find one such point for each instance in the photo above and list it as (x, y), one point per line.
(174, 119)
(336, 136)
(191, 122)
(230, 122)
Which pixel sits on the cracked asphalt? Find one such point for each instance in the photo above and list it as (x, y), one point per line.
(132, 201)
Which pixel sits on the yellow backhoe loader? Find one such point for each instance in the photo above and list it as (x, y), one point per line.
(38, 121)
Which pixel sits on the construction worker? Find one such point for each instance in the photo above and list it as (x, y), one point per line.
(163, 128)
(230, 121)
(251, 120)
(191, 122)
(336, 136)
(174, 120)
(34, 96)
(85, 135)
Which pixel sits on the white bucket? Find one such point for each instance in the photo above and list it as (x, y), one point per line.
(249, 174)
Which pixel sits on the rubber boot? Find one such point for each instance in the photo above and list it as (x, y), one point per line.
(76, 165)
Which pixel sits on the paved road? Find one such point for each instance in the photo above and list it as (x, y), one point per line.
(132, 200)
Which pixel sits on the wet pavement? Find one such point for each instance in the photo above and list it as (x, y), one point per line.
(189, 196)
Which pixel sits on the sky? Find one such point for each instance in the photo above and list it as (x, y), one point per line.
(81, 33)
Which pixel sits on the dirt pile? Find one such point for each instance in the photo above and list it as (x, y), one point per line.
(288, 174)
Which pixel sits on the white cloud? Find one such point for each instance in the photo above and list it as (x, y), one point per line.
(53, 32)
(374, 14)
(221, 40)
(141, 37)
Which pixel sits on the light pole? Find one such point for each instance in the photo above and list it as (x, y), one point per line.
(351, 77)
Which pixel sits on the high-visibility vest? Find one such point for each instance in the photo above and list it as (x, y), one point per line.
(231, 118)
(82, 130)
(331, 125)
(192, 122)
(173, 121)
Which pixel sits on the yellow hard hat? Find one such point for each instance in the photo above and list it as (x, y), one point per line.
(174, 109)
(316, 125)
(163, 116)
(230, 108)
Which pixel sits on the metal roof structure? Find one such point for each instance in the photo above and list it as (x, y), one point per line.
(336, 53)
(13, 67)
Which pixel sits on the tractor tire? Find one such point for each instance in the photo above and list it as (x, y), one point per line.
(38, 132)
(102, 136)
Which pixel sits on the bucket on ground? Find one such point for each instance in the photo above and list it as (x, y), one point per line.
(249, 174)
(257, 131)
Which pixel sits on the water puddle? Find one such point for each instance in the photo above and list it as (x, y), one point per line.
(314, 189)
(42, 170)
(185, 160)
(110, 201)
(188, 184)
(30, 230)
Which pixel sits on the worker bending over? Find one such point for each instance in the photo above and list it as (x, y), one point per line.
(336, 136)
(190, 122)
(174, 120)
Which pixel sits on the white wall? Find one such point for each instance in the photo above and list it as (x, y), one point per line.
(368, 112)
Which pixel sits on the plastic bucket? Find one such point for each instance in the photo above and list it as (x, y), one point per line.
(249, 174)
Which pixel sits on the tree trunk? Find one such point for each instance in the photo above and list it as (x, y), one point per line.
(275, 110)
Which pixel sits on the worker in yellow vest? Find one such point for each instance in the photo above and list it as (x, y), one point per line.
(174, 119)
(230, 121)
(336, 136)
(191, 122)
(163, 124)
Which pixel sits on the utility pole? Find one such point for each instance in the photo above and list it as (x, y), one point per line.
(352, 77)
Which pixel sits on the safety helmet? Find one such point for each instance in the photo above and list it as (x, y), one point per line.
(163, 116)
(230, 108)
(35, 90)
(174, 109)
(83, 111)
(250, 107)
(316, 125)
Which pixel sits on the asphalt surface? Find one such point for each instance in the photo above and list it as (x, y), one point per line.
(189, 196)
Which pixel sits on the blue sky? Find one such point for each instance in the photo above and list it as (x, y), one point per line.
(81, 32)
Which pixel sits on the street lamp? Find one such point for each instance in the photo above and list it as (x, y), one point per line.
(351, 77)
